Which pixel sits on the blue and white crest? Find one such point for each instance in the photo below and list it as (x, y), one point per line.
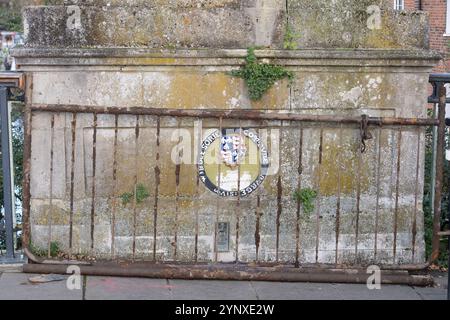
(233, 150)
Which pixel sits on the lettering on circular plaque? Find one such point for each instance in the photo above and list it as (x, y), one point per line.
(233, 162)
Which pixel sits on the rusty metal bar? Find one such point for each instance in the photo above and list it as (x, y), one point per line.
(339, 191)
(135, 181)
(197, 191)
(26, 172)
(279, 197)
(265, 138)
(397, 191)
(94, 163)
(244, 114)
(378, 178)
(72, 181)
(114, 200)
(358, 192)
(50, 214)
(299, 207)
(319, 177)
(177, 193)
(258, 226)
(157, 182)
(219, 187)
(241, 273)
(416, 197)
(439, 172)
(238, 203)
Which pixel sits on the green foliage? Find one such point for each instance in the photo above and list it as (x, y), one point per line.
(289, 39)
(55, 250)
(10, 20)
(142, 193)
(260, 77)
(126, 198)
(306, 197)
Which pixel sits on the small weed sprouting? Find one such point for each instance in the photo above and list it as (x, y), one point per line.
(260, 77)
(306, 197)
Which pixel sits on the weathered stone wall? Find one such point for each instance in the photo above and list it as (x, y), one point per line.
(223, 24)
(335, 73)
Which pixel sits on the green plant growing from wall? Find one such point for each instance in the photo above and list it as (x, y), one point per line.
(55, 250)
(306, 197)
(142, 193)
(289, 39)
(260, 77)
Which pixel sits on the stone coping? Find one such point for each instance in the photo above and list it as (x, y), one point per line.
(141, 56)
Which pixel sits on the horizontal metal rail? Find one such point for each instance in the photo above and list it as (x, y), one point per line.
(235, 114)
(234, 272)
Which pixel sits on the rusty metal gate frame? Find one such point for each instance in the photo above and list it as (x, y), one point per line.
(273, 271)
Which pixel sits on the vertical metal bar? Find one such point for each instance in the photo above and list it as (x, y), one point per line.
(416, 197)
(319, 176)
(72, 181)
(299, 186)
(177, 193)
(279, 195)
(114, 203)
(26, 175)
(339, 191)
(7, 167)
(219, 175)
(157, 182)
(94, 163)
(358, 196)
(238, 203)
(433, 159)
(258, 226)
(439, 172)
(378, 178)
(264, 138)
(397, 192)
(50, 214)
(196, 219)
(136, 154)
(199, 138)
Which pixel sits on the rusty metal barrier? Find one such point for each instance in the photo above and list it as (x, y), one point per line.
(369, 128)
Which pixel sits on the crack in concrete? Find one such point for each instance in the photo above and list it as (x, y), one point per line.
(84, 288)
(254, 289)
(169, 288)
(418, 293)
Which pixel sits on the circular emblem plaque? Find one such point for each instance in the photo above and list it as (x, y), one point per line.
(233, 162)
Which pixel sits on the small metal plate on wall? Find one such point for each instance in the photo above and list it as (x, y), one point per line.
(223, 237)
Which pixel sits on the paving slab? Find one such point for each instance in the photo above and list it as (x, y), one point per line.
(296, 291)
(212, 290)
(15, 286)
(437, 293)
(113, 288)
(387, 292)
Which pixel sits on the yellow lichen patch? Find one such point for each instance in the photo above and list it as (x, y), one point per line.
(201, 90)
(57, 215)
(276, 97)
(382, 38)
(340, 166)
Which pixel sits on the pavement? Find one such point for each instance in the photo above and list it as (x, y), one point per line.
(15, 285)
